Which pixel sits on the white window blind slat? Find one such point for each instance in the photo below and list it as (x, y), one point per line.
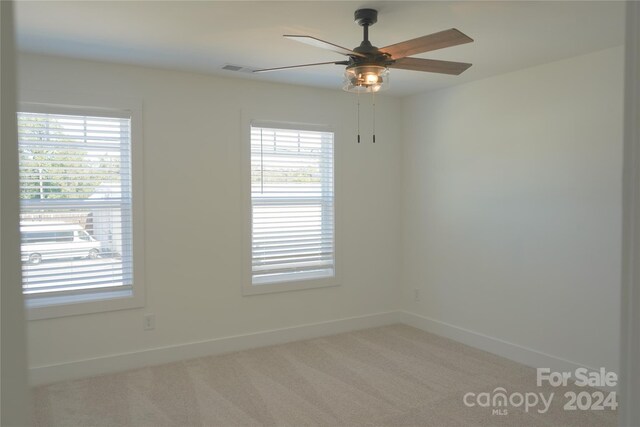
(292, 205)
(76, 207)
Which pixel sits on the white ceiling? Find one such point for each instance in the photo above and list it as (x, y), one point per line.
(203, 36)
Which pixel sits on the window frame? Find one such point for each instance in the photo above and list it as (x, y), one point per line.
(96, 300)
(248, 288)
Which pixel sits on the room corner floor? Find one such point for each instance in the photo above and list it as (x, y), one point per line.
(389, 376)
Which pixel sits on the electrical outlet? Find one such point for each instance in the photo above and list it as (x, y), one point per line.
(416, 294)
(149, 322)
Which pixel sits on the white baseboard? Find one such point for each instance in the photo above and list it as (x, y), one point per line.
(515, 352)
(40, 375)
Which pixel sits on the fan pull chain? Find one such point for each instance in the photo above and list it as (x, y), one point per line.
(374, 115)
(358, 117)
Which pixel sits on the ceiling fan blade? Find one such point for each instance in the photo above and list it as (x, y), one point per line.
(430, 65)
(428, 43)
(324, 45)
(264, 70)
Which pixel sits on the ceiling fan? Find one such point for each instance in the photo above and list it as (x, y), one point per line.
(367, 67)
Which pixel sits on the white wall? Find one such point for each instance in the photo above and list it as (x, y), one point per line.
(510, 196)
(14, 397)
(193, 218)
(630, 319)
(512, 207)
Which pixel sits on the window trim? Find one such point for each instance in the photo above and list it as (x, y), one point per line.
(43, 307)
(298, 123)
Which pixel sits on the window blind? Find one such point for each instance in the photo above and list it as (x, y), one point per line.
(292, 205)
(75, 210)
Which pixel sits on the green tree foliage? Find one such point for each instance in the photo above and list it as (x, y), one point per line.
(60, 173)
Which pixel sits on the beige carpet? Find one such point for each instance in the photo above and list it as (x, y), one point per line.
(389, 376)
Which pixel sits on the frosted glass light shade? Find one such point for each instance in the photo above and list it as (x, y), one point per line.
(366, 78)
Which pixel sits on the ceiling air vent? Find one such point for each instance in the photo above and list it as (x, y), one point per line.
(238, 68)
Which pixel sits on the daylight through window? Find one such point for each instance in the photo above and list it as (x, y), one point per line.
(75, 215)
(292, 205)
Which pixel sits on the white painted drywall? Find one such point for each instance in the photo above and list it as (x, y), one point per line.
(193, 217)
(509, 189)
(14, 396)
(630, 319)
(512, 207)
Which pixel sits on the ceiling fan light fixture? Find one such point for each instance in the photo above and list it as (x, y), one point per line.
(366, 78)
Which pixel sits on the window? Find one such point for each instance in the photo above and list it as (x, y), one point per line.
(76, 217)
(292, 207)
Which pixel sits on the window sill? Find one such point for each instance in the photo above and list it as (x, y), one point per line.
(297, 285)
(294, 285)
(39, 308)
